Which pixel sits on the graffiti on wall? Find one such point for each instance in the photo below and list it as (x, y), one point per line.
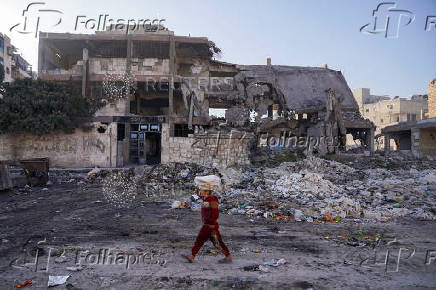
(91, 143)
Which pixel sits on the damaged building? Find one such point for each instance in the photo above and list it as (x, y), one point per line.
(159, 89)
(417, 137)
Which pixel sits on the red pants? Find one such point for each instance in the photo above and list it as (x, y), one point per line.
(214, 235)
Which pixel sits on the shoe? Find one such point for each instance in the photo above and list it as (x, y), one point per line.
(225, 261)
(188, 258)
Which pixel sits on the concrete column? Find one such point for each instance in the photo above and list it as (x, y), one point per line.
(414, 141)
(387, 143)
(370, 138)
(5, 177)
(129, 54)
(171, 82)
(128, 69)
(85, 71)
(41, 56)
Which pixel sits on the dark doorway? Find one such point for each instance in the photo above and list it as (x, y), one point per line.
(145, 143)
(153, 147)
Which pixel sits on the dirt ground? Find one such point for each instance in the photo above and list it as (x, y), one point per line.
(72, 225)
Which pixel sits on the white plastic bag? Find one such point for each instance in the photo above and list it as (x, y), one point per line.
(208, 182)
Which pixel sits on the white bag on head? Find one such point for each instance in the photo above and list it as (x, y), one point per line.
(208, 182)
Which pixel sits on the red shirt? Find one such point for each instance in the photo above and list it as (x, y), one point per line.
(209, 210)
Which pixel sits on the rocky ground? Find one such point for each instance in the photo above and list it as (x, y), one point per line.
(352, 222)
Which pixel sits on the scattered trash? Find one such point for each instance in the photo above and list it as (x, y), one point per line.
(24, 284)
(178, 204)
(276, 262)
(61, 259)
(251, 268)
(264, 269)
(196, 206)
(319, 190)
(314, 190)
(213, 252)
(94, 172)
(328, 218)
(57, 280)
(256, 251)
(76, 268)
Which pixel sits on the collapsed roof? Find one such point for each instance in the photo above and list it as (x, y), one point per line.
(303, 88)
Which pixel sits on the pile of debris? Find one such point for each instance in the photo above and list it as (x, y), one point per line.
(311, 189)
(317, 189)
(154, 183)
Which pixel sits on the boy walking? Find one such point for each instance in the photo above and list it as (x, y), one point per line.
(209, 230)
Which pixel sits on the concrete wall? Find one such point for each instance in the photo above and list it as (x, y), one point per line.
(117, 66)
(81, 149)
(361, 95)
(391, 112)
(148, 66)
(427, 144)
(432, 99)
(204, 150)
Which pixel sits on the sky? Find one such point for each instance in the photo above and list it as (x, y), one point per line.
(290, 32)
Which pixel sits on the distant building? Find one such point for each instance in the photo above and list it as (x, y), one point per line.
(15, 66)
(20, 68)
(363, 97)
(432, 99)
(393, 111)
(6, 56)
(384, 111)
(416, 136)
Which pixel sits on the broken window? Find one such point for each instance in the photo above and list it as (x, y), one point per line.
(158, 50)
(121, 133)
(102, 128)
(182, 130)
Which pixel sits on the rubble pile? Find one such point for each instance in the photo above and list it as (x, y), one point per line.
(311, 189)
(156, 180)
(314, 188)
(157, 183)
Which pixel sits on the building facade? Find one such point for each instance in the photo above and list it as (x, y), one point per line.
(6, 56)
(159, 88)
(432, 99)
(393, 111)
(363, 96)
(15, 66)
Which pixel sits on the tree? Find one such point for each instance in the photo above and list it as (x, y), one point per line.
(42, 107)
